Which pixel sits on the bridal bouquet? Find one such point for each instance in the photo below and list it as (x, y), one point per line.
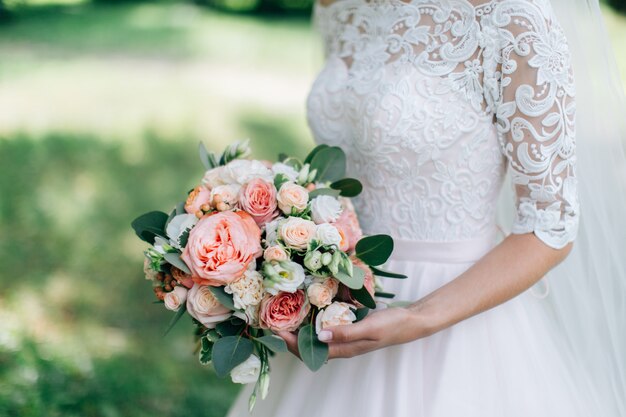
(261, 247)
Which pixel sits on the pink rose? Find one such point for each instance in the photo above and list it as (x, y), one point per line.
(221, 246)
(283, 311)
(344, 292)
(258, 198)
(204, 307)
(197, 198)
(348, 224)
(322, 291)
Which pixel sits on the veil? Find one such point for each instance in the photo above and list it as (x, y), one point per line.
(584, 297)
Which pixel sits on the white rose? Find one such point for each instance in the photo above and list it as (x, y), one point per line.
(287, 170)
(240, 171)
(177, 226)
(336, 314)
(327, 234)
(213, 178)
(204, 307)
(297, 232)
(248, 290)
(325, 209)
(247, 371)
(174, 299)
(292, 195)
(322, 291)
(225, 197)
(285, 276)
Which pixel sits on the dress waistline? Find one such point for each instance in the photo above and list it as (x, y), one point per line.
(460, 251)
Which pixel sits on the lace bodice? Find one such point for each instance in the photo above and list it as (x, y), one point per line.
(434, 100)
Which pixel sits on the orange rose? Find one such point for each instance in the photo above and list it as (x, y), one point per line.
(348, 225)
(220, 247)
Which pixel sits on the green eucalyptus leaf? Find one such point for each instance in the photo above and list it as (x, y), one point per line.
(229, 352)
(230, 328)
(149, 225)
(282, 156)
(313, 352)
(174, 259)
(361, 313)
(374, 250)
(315, 150)
(383, 273)
(274, 343)
(363, 296)
(207, 158)
(324, 191)
(279, 180)
(181, 311)
(223, 297)
(349, 187)
(383, 294)
(330, 164)
(354, 281)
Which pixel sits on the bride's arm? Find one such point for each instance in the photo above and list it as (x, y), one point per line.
(508, 269)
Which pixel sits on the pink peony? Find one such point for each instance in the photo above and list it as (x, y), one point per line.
(348, 224)
(220, 247)
(344, 292)
(283, 311)
(258, 198)
(198, 197)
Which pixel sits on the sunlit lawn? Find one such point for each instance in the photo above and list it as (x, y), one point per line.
(101, 110)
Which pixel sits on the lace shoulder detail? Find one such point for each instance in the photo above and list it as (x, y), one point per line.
(535, 114)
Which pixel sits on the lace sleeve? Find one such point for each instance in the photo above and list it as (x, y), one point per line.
(535, 117)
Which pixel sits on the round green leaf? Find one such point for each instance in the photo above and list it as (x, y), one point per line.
(229, 352)
(330, 164)
(349, 187)
(273, 343)
(374, 250)
(313, 352)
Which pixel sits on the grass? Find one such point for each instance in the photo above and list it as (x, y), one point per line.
(101, 109)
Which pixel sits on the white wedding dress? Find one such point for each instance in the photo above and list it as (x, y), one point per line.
(433, 101)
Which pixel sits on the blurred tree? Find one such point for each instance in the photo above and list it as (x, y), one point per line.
(618, 5)
(261, 6)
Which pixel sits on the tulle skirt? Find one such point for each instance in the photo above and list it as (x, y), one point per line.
(504, 362)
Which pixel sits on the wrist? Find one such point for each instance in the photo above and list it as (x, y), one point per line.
(424, 319)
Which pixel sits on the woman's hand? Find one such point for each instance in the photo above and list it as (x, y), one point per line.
(379, 329)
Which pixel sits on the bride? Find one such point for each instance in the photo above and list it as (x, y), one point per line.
(435, 102)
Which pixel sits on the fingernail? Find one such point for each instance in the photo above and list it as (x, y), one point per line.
(325, 335)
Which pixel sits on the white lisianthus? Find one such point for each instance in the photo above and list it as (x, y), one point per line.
(287, 170)
(247, 290)
(336, 314)
(240, 171)
(325, 209)
(327, 234)
(247, 371)
(285, 276)
(177, 227)
(297, 232)
(225, 197)
(271, 231)
(213, 178)
(291, 196)
(250, 315)
(174, 299)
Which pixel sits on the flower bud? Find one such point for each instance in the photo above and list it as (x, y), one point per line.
(333, 266)
(312, 176)
(326, 258)
(264, 384)
(304, 174)
(313, 260)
